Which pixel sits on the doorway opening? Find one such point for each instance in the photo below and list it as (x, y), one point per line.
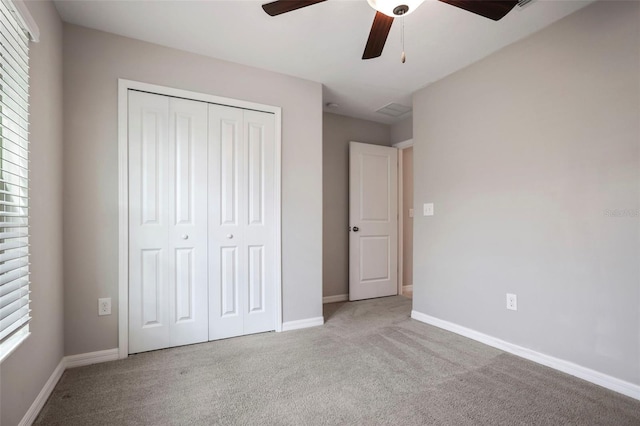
(405, 218)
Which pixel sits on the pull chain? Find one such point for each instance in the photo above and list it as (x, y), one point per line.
(403, 57)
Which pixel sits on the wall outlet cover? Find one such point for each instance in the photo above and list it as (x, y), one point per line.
(512, 302)
(428, 209)
(104, 306)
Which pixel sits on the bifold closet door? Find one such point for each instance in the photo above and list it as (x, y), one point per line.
(167, 222)
(241, 222)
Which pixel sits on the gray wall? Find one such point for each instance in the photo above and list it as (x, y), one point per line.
(527, 154)
(338, 131)
(25, 372)
(402, 130)
(93, 63)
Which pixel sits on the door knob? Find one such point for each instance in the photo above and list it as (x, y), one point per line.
(356, 229)
(229, 236)
(185, 237)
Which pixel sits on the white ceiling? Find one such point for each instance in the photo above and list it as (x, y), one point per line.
(324, 42)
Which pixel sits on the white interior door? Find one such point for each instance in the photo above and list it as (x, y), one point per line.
(373, 221)
(242, 222)
(167, 222)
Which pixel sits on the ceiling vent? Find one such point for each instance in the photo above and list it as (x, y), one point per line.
(394, 110)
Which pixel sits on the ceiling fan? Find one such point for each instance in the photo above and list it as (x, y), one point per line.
(387, 10)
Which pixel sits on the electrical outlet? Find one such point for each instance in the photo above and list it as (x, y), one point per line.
(427, 209)
(512, 302)
(104, 306)
(410, 212)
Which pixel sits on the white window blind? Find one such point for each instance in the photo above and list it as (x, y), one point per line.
(14, 180)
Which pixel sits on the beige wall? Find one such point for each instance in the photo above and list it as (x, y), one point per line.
(25, 372)
(93, 63)
(407, 221)
(402, 130)
(338, 131)
(527, 155)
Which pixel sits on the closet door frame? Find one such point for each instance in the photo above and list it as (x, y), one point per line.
(123, 193)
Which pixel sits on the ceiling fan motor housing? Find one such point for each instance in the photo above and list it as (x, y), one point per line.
(395, 8)
(400, 10)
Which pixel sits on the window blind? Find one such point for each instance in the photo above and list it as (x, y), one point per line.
(14, 180)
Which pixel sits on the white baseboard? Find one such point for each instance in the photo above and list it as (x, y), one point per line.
(33, 411)
(584, 373)
(336, 298)
(65, 363)
(305, 323)
(80, 360)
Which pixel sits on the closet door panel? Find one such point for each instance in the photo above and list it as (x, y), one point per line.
(151, 291)
(185, 286)
(188, 128)
(255, 174)
(149, 323)
(151, 178)
(227, 278)
(256, 269)
(228, 166)
(229, 302)
(259, 221)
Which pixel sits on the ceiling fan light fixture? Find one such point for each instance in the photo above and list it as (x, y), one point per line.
(395, 8)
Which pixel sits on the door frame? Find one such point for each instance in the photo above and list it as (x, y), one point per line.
(123, 193)
(401, 147)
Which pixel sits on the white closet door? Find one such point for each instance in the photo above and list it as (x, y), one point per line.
(226, 202)
(167, 222)
(148, 222)
(241, 222)
(187, 196)
(259, 221)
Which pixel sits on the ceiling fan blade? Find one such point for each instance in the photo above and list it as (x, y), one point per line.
(492, 9)
(283, 6)
(378, 36)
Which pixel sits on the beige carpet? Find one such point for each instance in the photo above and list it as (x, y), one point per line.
(369, 365)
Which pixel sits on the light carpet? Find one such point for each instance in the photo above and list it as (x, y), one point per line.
(370, 364)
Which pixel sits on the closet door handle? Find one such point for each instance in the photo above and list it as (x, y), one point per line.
(185, 237)
(229, 236)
